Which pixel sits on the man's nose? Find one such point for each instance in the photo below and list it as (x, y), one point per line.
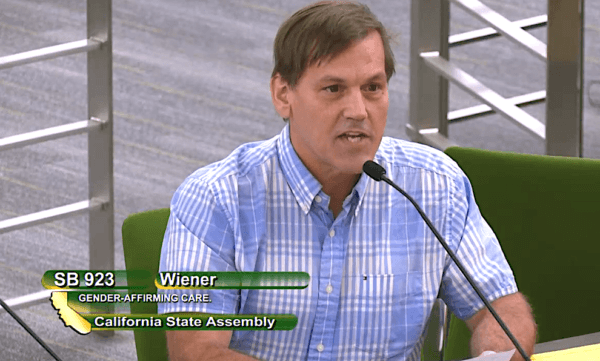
(355, 105)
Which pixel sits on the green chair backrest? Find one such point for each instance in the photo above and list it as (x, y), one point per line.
(142, 240)
(544, 211)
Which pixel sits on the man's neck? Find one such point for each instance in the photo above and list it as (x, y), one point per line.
(338, 188)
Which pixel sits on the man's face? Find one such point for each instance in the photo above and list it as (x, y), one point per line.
(338, 109)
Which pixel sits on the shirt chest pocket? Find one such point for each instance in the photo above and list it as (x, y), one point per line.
(382, 290)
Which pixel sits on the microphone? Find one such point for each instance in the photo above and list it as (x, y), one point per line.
(377, 172)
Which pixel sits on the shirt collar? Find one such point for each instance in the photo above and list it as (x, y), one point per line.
(302, 183)
(365, 180)
(359, 190)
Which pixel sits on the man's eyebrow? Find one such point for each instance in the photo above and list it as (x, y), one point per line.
(335, 79)
(378, 76)
(331, 79)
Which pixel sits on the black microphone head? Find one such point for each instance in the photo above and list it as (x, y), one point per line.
(373, 170)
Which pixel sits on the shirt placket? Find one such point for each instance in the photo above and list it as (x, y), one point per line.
(330, 278)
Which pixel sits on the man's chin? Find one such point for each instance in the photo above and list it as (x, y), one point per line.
(356, 168)
(352, 164)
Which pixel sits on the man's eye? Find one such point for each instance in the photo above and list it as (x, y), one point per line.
(373, 87)
(332, 88)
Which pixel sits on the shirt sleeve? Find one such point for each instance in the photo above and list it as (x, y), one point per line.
(198, 238)
(477, 247)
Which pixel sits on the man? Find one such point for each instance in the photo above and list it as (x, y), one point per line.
(299, 202)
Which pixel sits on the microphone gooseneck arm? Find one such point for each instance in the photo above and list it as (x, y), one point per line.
(377, 172)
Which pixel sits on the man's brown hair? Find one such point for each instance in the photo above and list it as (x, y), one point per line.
(321, 31)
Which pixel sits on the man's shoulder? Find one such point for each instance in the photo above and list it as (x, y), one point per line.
(403, 154)
(245, 160)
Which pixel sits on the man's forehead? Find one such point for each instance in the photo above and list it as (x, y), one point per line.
(344, 72)
(367, 50)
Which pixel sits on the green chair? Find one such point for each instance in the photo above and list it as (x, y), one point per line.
(142, 240)
(544, 211)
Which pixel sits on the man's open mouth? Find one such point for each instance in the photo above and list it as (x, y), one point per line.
(353, 136)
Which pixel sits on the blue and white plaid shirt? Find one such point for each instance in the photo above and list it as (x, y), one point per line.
(375, 270)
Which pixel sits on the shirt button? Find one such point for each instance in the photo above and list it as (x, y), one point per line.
(318, 199)
(320, 347)
(329, 289)
(331, 233)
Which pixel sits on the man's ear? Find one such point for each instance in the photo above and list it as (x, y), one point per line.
(280, 94)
